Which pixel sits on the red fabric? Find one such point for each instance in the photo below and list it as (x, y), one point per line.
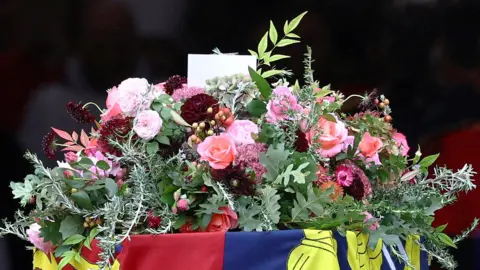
(199, 251)
(457, 149)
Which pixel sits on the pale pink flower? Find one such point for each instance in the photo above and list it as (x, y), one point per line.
(369, 218)
(241, 131)
(281, 102)
(34, 237)
(147, 124)
(401, 142)
(330, 135)
(131, 96)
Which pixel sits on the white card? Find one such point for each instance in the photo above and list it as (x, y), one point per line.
(202, 67)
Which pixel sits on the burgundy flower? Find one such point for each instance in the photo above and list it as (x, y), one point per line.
(195, 109)
(301, 145)
(48, 145)
(153, 221)
(361, 186)
(236, 180)
(80, 114)
(173, 83)
(116, 128)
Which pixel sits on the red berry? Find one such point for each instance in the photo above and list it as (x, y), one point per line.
(32, 200)
(204, 189)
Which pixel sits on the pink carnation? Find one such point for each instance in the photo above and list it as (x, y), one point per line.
(186, 92)
(241, 131)
(34, 237)
(401, 142)
(281, 103)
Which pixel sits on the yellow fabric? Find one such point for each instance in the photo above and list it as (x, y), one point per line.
(318, 250)
(413, 251)
(359, 256)
(42, 261)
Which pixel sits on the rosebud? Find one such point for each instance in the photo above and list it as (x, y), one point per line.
(204, 189)
(67, 174)
(71, 157)
(120, 183)
(177, 194)
(32, 200)
(182, 205)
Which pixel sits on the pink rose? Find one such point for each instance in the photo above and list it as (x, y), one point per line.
(182, 205)
(219, 151)
(401, 142)
(330, 135)
(38, 241)
(241, 131)
(327, 99)
(71, 157)
(223, 222)
(370, 218)
(147, 124)
(369, 145)
(131, 96)
(281, 102)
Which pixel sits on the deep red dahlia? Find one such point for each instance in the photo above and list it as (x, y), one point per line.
(195, 109)
(79, 114)
(301, 144)
(48, 145)
(173, 83)
(236, 180)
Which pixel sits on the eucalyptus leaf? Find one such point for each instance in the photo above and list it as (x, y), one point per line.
(163, 139)
(253, 53)
(429, 160)
(292, 35)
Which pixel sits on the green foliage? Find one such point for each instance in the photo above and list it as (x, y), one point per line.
(257, 108)
(263, 86)
(93, 233)
(50, 231)
(313, 203)
(270, 199)
(274, 161)
(74, 239)
(24, 191)
(297, 175)
(70, 226)
(82, 199)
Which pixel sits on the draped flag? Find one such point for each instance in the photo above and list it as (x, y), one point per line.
(282, 250)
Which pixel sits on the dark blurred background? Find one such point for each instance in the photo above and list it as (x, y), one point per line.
(424, 55)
